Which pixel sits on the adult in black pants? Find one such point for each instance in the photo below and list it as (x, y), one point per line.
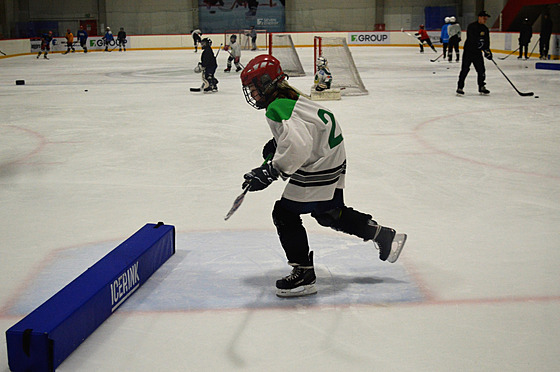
(477, 43)
(546, 31)
(525, 34)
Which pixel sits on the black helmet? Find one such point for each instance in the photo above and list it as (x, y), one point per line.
(206, 42)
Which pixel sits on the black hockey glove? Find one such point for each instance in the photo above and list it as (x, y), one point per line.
(260, 178)
(269, 149)
(488, 54)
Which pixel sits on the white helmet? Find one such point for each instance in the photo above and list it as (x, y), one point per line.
(321, 62)
(447, 19)
(452, 19)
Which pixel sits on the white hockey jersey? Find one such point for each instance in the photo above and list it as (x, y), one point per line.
(310, 149)
(234, 49)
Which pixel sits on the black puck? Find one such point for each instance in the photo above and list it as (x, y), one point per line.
(20, 82)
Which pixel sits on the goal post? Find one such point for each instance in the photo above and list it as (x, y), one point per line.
(282, 47)
(345, 75)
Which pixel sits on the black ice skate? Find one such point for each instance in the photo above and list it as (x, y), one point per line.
(389, 243)
(300, 282)
(482, 90)
(460, 92)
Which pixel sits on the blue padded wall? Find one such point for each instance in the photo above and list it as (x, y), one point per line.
(44, 338)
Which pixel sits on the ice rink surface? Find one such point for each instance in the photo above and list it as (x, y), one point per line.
(94, 146)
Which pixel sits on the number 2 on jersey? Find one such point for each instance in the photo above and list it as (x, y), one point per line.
(324, 115)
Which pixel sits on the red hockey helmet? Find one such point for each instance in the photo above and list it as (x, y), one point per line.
(260, 78)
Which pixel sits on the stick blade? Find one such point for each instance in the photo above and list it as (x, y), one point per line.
(236, 204)
(195, 89)
(527, 94)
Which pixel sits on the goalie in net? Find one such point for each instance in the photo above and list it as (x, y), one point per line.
(345, 75)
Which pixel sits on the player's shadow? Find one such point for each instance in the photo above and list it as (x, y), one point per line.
(332, 289)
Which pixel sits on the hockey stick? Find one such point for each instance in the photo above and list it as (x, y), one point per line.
(3, 53)
(241, 64)
(409, 34)
(509, 54)
(433, 60)
(220, 48)
(532, 50)
(237, 202)
(527, 94)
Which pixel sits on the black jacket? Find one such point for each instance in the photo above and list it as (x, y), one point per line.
(546, 28)
(478, 38)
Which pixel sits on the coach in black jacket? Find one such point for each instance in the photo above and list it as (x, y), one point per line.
(477, 43)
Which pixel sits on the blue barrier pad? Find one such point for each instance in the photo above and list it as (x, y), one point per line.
(44, 338)
(547, 66)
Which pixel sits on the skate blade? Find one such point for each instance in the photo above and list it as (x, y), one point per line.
(396, 247)
(304, 290)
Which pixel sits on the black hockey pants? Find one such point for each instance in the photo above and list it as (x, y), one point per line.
(477, 60)
(332, 213)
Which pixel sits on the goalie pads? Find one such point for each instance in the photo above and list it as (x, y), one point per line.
(325, 95)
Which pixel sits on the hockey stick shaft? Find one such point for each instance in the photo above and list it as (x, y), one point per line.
(433, 60)
(509, 54)
(220, 48)
(409, 34)
(241, 64)
(237, 202)
(3, 53)
(517, 90)
(537, 43)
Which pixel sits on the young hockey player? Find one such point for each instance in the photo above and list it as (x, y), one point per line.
(323, 77)
(307, 149)
(82, 37)
(444, 36)
(253, 36)
(525, 34)
(424, 38)
(477, 43)
(454, 31)
(197, 37)
(108, 38)
(234, 54)
(45, 44)
(69, 42)
(121, 39)
(208, 65)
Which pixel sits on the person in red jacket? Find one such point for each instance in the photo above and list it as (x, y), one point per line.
(424, 38)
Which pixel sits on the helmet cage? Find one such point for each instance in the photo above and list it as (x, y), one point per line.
(260, 79)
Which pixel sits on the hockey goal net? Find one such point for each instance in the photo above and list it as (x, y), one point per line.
(282, 47)
(344, 73)
(245, 40)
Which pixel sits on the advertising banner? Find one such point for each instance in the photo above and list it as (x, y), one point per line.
(369, 38)
(218, 16)
(58, 44)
